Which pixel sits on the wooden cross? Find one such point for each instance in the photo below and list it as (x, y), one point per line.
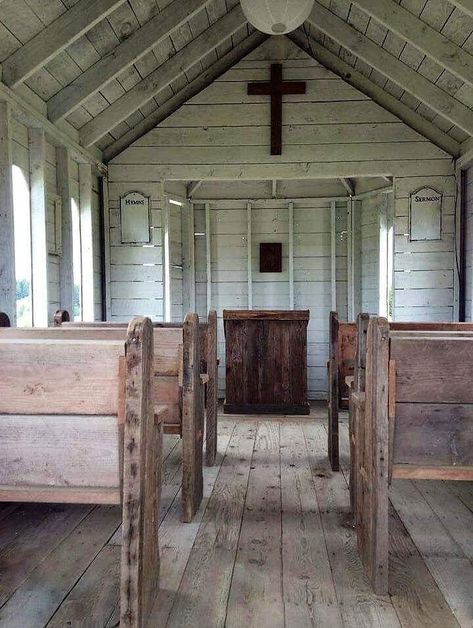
(276, 88)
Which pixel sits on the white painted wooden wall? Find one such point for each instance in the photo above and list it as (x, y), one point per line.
(20, 157)
(424, 271)
(230, 287)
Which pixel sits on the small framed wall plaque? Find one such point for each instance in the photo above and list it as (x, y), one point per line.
(270, 257)
(425, 215)
(135, 218)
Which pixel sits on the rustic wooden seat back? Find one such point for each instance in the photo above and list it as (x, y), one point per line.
(175, 385)
(77, 425)
(209, 367)
(342, 350)
(414, 421)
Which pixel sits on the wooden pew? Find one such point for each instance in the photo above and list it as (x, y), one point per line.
(77, 426)
(413, 421)
(342, 348)
(341, 365)
(176, 389)
(4, 320)
(209, 368)
(360, 371)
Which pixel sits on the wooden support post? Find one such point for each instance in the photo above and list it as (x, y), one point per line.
(333, 254)
(106, 243)
(249, 253)
(39, 244)
(7, 232)
(166, 230)
(291, 255)
(87, 243)
(208, 255)
(63, 178)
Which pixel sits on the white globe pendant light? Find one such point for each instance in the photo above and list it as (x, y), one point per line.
(276, 17)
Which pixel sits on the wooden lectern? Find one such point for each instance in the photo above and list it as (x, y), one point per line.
(266, 361)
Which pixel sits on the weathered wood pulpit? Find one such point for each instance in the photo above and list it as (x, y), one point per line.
(266, 361)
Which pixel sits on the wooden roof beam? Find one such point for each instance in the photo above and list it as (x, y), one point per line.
(165, 74)
(186, 93)
(425, 38)
(123, 56)
(394, 69)
(348, 185)
(376, 93)
(55, 38)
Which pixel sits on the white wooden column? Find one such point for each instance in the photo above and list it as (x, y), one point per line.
(350, 260)
(188, 250)
(39, 243)
(208, 255)
(7, 232)
(106, 243)
(249, 253)
(87, 245)
(66, 276)
(291, 254)
(166, 231)
(333, 254)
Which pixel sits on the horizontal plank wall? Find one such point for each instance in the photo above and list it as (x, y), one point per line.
(311, 259)
(424, 271)
(469, 245)
(369, 253)
(136, 271)
(332, 130)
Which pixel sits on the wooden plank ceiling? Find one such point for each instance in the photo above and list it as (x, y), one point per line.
(114, 68)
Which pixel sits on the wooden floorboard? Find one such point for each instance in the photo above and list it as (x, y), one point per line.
(272, 545)
(413, 590)
(256, 596)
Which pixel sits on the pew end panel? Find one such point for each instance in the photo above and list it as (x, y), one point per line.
(4, 320)
(192, 420)
(371, 439)
(211, 390)
(60, 317)
(333, 395)
(77, 426)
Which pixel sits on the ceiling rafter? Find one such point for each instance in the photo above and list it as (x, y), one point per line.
(123, 56)
(422, 36)
(165, 74)
(464, 5)
(392, 104)
(53, 39)
(348, 185)
(189, 91)
(391, 67)
(192, 188)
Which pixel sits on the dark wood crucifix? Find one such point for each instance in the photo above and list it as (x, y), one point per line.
(276, 88)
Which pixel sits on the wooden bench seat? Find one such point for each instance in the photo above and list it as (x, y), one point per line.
(176, 389)
(77, 426)
(412, 418)
(208, 368)
(343, 339)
